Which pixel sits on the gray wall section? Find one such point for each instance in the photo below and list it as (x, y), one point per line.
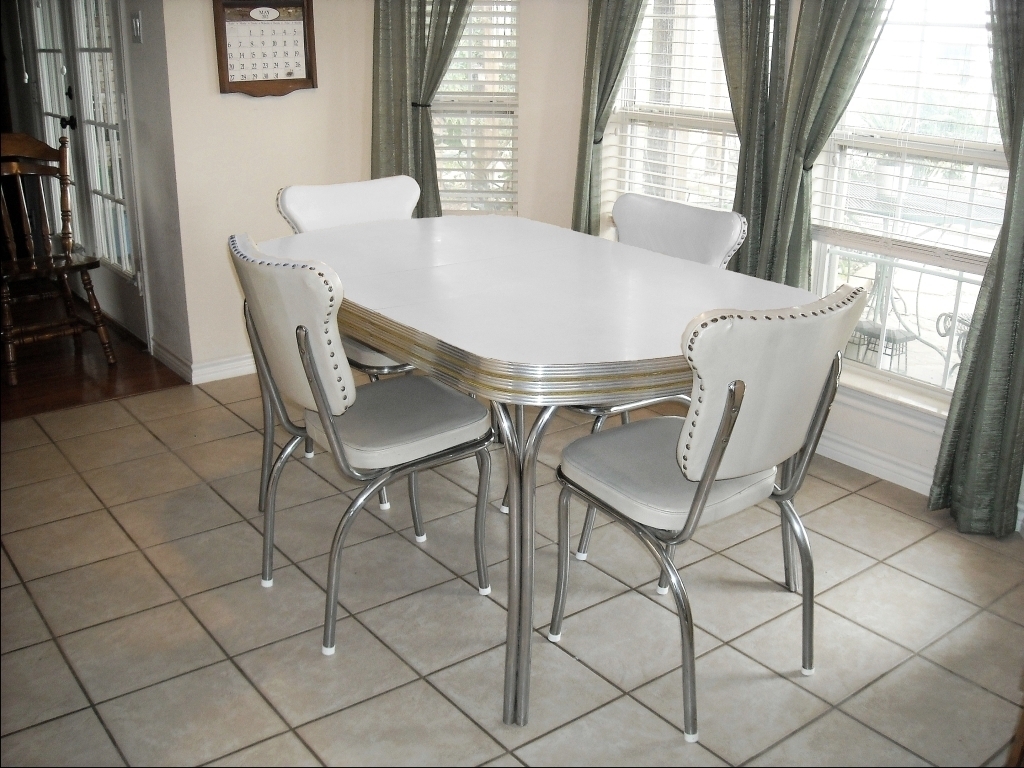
(156, 186)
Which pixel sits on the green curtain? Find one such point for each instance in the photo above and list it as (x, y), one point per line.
(412, 48)
(792, 108)
(978, 473)
(611, 29)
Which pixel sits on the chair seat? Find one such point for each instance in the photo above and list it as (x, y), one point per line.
(403, 419)
(633, 468)
(365, 356)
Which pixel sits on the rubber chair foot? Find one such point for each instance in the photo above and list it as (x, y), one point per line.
(554, 638)
(421, 539)
(661, 590)
(690, 737)
(327, 651)
(308, 455)
(267, 582)
(581, 555)
(385, 507)
(485, 591)
(806, 672)
(503, 509)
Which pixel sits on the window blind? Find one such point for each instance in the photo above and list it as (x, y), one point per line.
(476, 117)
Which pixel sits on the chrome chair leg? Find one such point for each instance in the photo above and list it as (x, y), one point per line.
(799, 535)
(269, 512)
(382, 498)
(414, 504)
(308, 448)
(562, 581)
(625, 417)
(591, 518)
(483, 463)
(663, 582)
(789, 555)
(268, 447)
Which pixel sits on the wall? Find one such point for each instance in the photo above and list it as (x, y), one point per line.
(233, 152)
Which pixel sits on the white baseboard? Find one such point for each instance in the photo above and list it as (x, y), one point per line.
(225, 368)
(179, 365)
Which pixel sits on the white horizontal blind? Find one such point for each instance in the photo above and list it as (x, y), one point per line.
(475, 115)
(671, 134)
(916, 163)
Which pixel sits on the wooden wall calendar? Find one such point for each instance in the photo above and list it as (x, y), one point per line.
(265, 49)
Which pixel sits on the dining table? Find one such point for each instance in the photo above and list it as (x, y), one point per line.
(524, 313)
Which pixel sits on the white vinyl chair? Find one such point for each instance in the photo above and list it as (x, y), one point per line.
(763, 382)
(377, 433)
(307, 208)
(687, 232)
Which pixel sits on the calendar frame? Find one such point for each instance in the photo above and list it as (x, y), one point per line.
(264, 87)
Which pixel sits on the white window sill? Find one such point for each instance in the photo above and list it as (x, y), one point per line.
(895, 389)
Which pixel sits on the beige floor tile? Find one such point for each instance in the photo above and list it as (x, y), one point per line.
(629, 640)
(465, 474)
(1011, 546)
(7, 575)
(735, 528)
(840, 474)
(303, 684)
(846, 656)
(867, 526)
(621, 733)
(22, 625)
(619, 553)
(250, 411)
(561, 689)
(225, 457)
(587, 585)
(553, 443)
(198, 427)
(211, 559)
(1000, 759)
(439, 626)
(112, 446)
(33, 465)
(284, 750)
(323, 464)
(897, 606)
(742, 707)
(906, 500)
(936, 714)
(167, 402)
(246, 615)
(298, 485)
(106, 590)
(814, 494)
(232, 390)
(379, 571)
(21, 433)
(190, 719)
(77, 739)
(960, 566)
(833, 562)
(1011, 605)
(505, 761)
(430, 732)
(84, 420)
(308, 530)
(140, 479)
(438, 497)
(45, 502)
(127, 654)
(451, 540)
(66, 544)
(728, 599)
(837, 740)
(174, 515)
(988, 650)
(36, 685)
(546, 510)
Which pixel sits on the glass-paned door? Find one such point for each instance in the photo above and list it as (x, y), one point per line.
(80, 89)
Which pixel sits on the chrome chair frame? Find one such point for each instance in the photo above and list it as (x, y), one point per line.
(376, 479)
(661, 544)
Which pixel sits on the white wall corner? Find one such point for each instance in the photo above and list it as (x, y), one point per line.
(224, 368)
(890, 440)
(172, 360)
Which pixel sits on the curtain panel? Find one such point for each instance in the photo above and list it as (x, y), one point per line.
(978, 473)
(611, 29)
(786, 106)
(413, 44)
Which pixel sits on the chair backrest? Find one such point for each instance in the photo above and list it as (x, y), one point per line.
(308, 208)
(28, 235)
(281, 296)
(783, 357)
(676, 229)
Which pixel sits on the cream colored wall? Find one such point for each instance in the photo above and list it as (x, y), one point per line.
(233, 152)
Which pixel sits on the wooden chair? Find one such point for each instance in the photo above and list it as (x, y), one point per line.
(39, 259)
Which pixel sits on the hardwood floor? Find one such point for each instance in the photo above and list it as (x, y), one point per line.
(51, 375)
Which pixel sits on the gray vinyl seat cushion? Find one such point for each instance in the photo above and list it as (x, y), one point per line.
(368, 357)
(403, 419)
(634, 469)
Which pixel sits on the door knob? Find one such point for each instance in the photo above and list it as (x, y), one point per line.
(69, 122)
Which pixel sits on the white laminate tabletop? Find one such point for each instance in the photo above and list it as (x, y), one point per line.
(522, 292)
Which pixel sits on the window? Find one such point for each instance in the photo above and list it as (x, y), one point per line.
(476, 115)
(671, 133)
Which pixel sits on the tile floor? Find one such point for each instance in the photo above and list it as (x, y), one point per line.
(135, 630)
